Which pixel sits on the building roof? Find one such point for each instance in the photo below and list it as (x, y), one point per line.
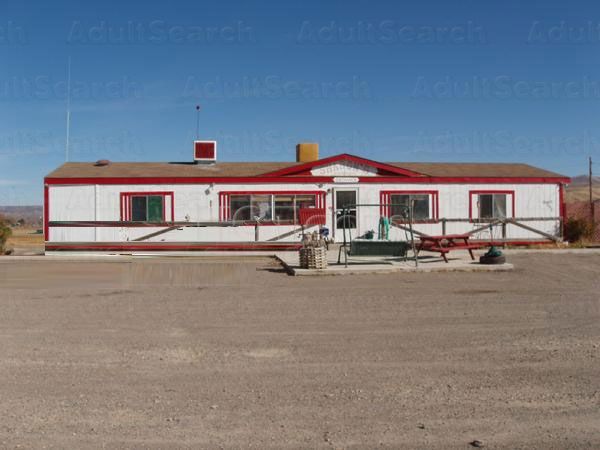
(255, 169)
(485, 170)
(165, 170)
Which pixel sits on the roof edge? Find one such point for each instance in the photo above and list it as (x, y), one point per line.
(303, 179)
(343, 157)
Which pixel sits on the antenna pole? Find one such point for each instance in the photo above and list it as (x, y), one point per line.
(197, 122)
(68, 112)
(592, 215)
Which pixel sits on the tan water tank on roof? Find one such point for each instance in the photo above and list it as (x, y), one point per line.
(307, 152)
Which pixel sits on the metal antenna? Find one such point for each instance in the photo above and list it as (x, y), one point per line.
(591, 191)
(68, 112)
(197, 122)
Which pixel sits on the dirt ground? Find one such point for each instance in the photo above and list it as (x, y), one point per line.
(25, 241)
(175, 353)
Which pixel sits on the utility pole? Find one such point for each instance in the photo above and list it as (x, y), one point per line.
(592, 215)
(197, 122)
(68, 137)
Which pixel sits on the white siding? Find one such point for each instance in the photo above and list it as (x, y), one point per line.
(72, 203)
(201, 203)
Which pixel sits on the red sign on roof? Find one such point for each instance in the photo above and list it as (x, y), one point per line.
(205, 150)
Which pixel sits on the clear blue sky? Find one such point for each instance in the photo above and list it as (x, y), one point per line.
(387, 80)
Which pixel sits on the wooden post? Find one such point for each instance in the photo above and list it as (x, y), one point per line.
(412, 234)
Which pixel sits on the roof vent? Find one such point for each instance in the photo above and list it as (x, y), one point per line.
(205, 151)
(102, 163)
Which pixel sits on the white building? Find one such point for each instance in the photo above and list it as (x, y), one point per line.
(210, 205)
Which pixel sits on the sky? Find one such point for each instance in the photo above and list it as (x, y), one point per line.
(508, 81)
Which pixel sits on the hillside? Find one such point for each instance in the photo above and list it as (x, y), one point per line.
(582, 180)
(578, 190)
(31, 214)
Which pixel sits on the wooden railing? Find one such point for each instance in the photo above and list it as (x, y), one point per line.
(170, 226)
(487, 224)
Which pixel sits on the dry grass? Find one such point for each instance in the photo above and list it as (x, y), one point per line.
(26, 238)
(580, 193)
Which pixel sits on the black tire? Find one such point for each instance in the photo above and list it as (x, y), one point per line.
(492, 259)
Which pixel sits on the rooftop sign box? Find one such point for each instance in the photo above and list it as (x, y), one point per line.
(205, 151)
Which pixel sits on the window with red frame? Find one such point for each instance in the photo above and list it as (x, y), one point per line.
(150, 207)
(490, 205)
(397, 205)
(277, 207)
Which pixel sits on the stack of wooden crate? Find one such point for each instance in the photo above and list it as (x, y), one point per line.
(313, 258)
(313, 254)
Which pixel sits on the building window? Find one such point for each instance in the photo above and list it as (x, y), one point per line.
(241, 206)
(150, 207)
(397, 205)
(276, 207)
(401, 204)
(147, 208)
(268, 207)
(251, 207)
(262, 207)
(285, 209)
(490, 205)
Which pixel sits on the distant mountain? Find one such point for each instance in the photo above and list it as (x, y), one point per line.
(32, 215)
(582, 180)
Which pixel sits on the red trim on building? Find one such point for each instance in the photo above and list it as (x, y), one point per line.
(463, 180)
(306, 167)
(384, 199)
(472, 193)
(304, 180)
(46, 213)
(186, 180)
(171, 246)
(121, 206)
(561, 201)
(126, 205)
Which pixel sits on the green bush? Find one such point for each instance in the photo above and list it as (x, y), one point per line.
(5, 232)
(577, 230)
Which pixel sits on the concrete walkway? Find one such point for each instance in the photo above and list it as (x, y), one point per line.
(459, 261)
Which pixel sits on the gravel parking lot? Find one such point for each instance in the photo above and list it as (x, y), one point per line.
(197, 353)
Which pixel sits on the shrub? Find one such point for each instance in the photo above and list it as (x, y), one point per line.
(5, 233)
(577, 229)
